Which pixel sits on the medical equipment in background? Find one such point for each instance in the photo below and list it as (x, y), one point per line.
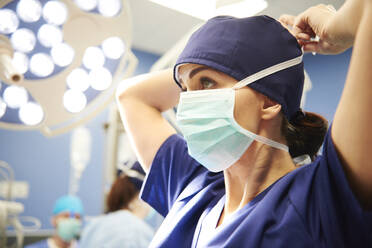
(61, 60)
(10, 210)
(81, 142)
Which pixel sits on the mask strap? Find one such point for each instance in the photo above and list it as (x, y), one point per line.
(268, 71)
(271, 143)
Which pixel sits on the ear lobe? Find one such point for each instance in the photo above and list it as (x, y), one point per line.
(270, 109)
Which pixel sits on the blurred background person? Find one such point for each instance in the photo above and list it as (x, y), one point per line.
(67, 214)
(129, 222)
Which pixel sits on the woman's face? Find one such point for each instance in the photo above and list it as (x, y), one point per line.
(248, 102)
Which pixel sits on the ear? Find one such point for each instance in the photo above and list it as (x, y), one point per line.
(53, 221)
(270, 109)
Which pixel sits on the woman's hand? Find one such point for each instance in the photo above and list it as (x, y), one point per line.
(319, 30)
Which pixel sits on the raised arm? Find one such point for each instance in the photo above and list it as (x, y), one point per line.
(351, 129)
(141, 101)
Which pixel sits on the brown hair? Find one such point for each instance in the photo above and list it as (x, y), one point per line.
(121, 194)
(305, 135)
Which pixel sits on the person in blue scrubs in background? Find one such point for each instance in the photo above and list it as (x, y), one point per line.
(67, 213)
(231, 180)
(129, 222)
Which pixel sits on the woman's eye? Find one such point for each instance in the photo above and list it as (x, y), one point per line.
(206, 83)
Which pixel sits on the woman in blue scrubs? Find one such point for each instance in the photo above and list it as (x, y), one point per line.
(230, 180)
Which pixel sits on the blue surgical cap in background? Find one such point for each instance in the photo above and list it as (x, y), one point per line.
(68, 203)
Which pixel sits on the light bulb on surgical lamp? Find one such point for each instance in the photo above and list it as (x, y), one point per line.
(86, 5)
(113, 47)
(78, 80)
(41, 64)
(109, 8)
(23, 40)
(93, 58)
(74, 101)
(31, 113)
(62, 54)
(9, 21)
(100, 78)
(49, 35)
(29, 10)
(15, 96)
(20, 62)
(55, 12)
(2, 107)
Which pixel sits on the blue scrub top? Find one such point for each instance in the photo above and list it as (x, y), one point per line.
(312, 206)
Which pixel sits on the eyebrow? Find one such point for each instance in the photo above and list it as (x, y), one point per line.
(197, 70)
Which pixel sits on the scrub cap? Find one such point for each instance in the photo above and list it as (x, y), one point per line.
(240, 47)
(68, 203)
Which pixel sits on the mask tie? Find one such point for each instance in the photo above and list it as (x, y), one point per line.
(268, 71)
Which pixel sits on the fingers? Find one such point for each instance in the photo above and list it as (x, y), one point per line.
(287, 20)
(311, 46)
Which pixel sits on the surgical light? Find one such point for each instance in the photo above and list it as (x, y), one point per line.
(23, 40)
(20, 62)
(74, 101)
(55, 12)
(2, 107)
(41, 64)
(109, 8)
(93, 58)
(113, 47)
(15, 96)
(61, 60)
(100, 78)
(29, 10)
(86, 5)
(9, 21)
(31, 113)
(49, 35)
(62, 54)
(78, 80)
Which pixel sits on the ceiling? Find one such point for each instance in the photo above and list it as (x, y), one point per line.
(156, 29)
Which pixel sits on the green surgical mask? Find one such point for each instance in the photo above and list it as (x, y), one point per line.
(214, 138)
(68, 229)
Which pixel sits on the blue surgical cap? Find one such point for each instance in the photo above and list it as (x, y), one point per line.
(68, 203)
(240, 47)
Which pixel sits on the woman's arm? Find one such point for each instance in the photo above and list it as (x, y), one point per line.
(351, 129)
(141, 101)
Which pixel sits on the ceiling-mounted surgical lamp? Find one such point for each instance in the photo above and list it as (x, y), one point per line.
(61, 60)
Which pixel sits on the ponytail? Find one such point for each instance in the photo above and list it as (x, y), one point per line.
(305, 135)
(121, 194)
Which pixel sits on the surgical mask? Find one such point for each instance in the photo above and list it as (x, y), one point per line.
(206, 119)
(68, 229)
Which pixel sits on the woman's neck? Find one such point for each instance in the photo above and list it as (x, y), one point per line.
(258, 168)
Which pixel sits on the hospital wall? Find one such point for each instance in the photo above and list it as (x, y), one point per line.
(45, 163)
